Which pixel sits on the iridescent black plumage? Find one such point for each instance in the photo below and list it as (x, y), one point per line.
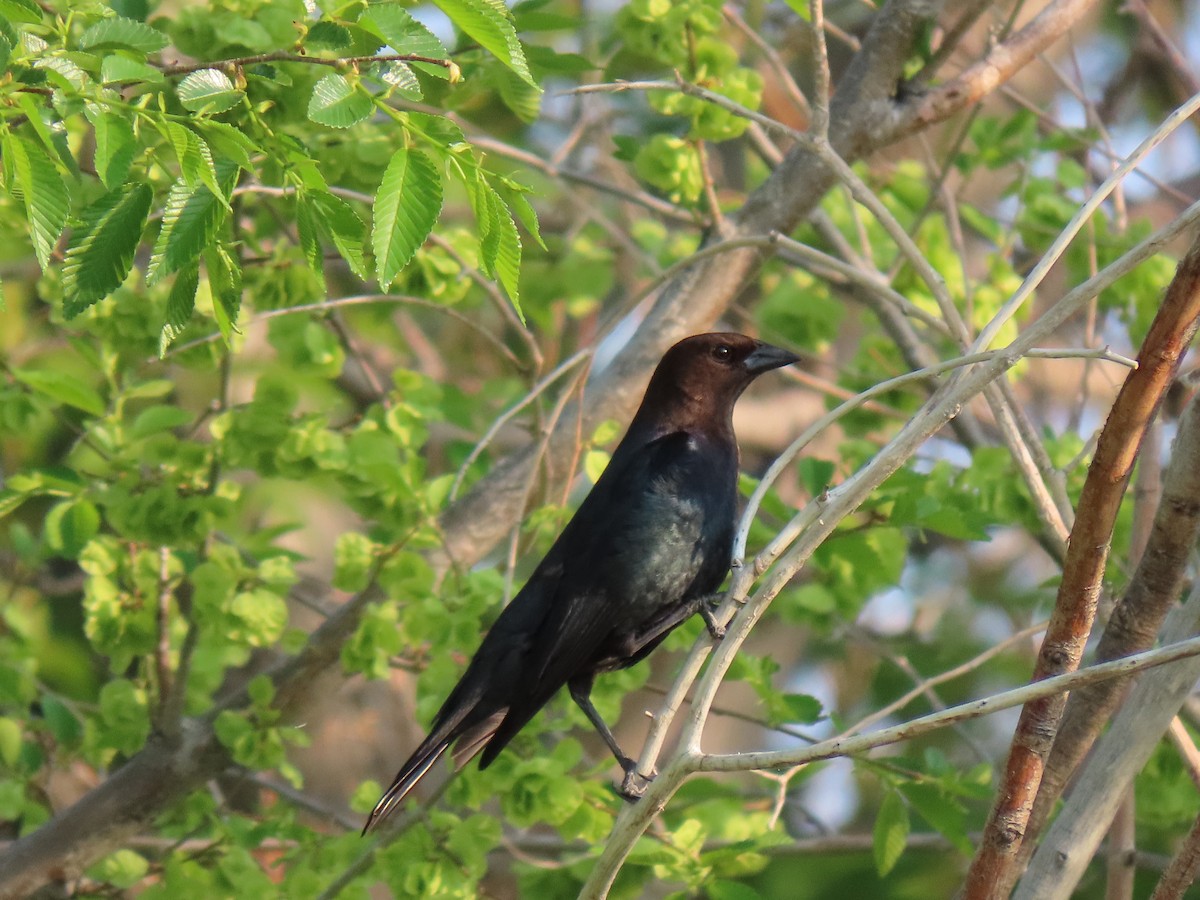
(644, 551)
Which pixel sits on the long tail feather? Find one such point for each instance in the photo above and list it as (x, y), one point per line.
(475, 738)
(406, 779)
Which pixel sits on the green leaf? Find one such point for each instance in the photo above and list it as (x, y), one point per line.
(225, 280)
(43, 191)
(115, 148)
(338, 103)
(801, 708)
(730, 890)
(21, 11)
(62, 387)
(407, 205)
(891, 832)
(118, 32)
(328, 36)
(519, 96)
(63, 72)
(10, 741)
(50, 131)
(180, 304)
(401, 31)
(490, 24)
(309, 230)
(209, 90)
(402, 79)
(353, 558)
(815, 474)
(100, 252)
(228, 141)
(322, 214)
(941, 811)
(156, 419)
(69, 526)
(117, 69)
(344, 227)
(191, 219)
(122, 869)
(508, 259)
(125, 715)
(195, 158)
(63, 724)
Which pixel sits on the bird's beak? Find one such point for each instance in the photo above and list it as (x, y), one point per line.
(766, 357)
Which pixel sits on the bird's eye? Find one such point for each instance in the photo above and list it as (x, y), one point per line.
(722, 353)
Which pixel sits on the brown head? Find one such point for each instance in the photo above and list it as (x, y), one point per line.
(700, 378)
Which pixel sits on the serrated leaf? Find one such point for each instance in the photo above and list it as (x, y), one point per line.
(328, 36)
(195, 158)
(190, 222)
(180, 304)
(524, 100)
(63, 72)
(52, 133)
(402, 32)
(225, 281)
(518, 203)
(488, 208)
(310, 234)
(406, 208)
(209, 90)
(490, 24)
(100, 252)
(228, 141)
(118, 32)
(508, 260)
(21, 11)
(890, 833)
(337, 103)
(62, 387)
(43, 191)
(115, 148)
(402, 79)
(117, 69)
(344, 227)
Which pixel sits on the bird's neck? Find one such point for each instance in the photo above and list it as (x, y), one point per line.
(675, 408)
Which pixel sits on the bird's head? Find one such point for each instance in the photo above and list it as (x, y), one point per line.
(701, 377)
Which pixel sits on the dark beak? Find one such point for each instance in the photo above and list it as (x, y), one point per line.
(766, 357)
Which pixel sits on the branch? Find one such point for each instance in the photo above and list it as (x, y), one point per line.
(994, 870)
(1001, 63)
(1116, 759)
(963, 712)
(1154, 588)
(350, 62)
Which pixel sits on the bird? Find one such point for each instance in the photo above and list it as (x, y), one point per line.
(646, 550)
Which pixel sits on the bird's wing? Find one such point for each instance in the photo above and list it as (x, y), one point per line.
(593, 594)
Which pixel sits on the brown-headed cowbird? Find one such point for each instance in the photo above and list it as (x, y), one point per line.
(645, 551)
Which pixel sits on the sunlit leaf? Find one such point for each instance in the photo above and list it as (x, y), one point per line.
(406, 207)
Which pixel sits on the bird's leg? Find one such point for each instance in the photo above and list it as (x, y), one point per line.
(634, 783)
(708, 608)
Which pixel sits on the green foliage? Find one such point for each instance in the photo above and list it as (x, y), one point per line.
(273, 270)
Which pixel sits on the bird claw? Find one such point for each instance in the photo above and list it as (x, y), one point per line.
(707, 608)
(634, 785)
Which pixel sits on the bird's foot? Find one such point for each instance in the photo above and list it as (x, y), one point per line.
(708, 608)
(634, 784)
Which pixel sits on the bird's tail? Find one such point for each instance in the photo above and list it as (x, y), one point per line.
(422, 760)
(471, 737)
